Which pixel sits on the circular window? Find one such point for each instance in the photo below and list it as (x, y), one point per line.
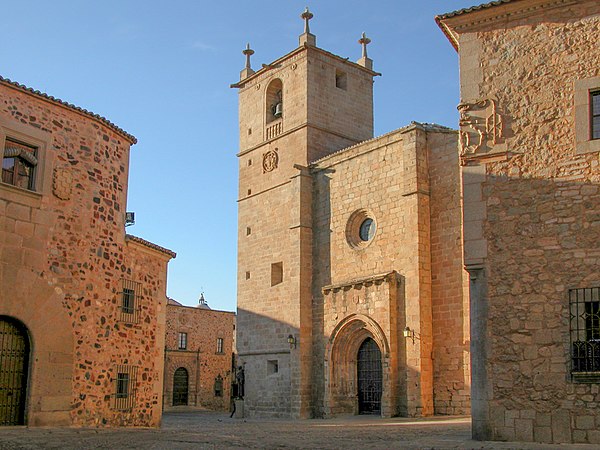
(366, 230)
(361, 229)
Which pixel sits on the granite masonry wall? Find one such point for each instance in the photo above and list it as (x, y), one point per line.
(531, 208)
(63, 259)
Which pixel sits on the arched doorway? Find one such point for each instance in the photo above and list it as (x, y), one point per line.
(180, 387)
(369, 376)
(14, 367)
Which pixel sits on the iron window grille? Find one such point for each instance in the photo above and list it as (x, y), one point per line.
(584, 306)
(182, 344)
(129, 310)
(124, 387)
(219, 345)
(595, 114)
(219, 386)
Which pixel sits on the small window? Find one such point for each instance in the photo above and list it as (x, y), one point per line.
(130, 301)
(18, 164)
(595, 114)
(219, 345)
(182, 341)
(276, 273)
(124, 387)
(272, 367)
(248, 231)
(219, 386)
(247, 275)
(584, 307)
(341, 80)
(587, 115)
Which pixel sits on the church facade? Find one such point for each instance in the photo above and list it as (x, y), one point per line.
(351, 293)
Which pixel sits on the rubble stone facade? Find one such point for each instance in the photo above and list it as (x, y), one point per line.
(198, 357)
(351, 293)
(86, 301)
(529, 71)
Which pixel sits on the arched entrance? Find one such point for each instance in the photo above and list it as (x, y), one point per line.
(359, 378)
(369, 375)
(180, 387)
(14, 367)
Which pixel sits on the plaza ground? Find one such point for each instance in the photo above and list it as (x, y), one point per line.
(208, 430)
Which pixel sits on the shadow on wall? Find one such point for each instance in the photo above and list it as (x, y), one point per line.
(534, 322)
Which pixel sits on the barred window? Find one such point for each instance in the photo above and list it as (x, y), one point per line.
(130, 301)
(219, 386)
(182, 344)
(124, 387)
(219, 345)
(595, 114)
(584, 305)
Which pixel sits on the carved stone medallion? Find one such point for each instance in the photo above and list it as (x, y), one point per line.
(62, 183)
(270, 161)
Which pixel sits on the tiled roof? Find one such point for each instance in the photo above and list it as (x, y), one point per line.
(131, 237)
(68, 105)
(473, 8)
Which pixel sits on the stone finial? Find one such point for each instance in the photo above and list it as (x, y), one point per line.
(247, 71)
(307, 37)
(306, 15)
(365, 61)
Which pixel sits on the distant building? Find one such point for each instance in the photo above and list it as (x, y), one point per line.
(82, 304)
(198, 356)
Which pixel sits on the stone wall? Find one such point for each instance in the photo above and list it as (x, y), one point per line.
(274, 215)
(405, 182)
(531, 205)
(64, 256)
(200, 358)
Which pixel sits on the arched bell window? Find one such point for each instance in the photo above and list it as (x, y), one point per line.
(274, 100)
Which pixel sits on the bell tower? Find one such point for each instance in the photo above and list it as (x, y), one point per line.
(303, 106)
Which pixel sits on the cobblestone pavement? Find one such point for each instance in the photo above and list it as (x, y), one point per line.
(207, 430)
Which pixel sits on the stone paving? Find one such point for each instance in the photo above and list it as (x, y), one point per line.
(208, 430)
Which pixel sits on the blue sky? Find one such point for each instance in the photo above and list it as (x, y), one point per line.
(162, 70)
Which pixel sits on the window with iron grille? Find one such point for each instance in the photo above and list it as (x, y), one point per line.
(219, 386)
(124, 387)
(182, 344)
(18, 164)
(595, 114)
(584, 305)
(219, 345)
(130, 301)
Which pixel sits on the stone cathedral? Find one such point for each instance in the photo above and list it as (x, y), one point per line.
(351, 293)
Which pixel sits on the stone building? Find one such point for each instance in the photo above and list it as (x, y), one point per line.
(199, 352)
(351, 293)
(529, 147)
(82, 304)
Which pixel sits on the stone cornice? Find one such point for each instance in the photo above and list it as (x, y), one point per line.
(296, 51)
(388, 277)
(478, 18)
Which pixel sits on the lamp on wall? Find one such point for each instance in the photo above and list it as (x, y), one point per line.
(292, 341)
(410, 334)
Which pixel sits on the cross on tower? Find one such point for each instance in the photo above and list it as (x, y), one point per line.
(364, 41)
